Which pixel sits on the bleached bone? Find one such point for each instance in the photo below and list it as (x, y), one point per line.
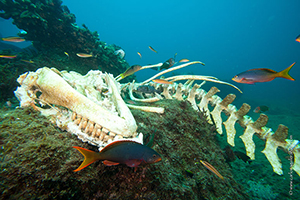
(58, 92)
(273, 140)
(89, 114)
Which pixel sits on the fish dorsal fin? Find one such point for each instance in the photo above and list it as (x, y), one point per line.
(109, 163)
(262, 69)
(116, 143)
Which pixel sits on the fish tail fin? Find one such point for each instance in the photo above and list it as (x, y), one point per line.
(89, 157)
(285, 73)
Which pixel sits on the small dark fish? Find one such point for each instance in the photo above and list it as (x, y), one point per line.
(169, 63)
(131, 70)
(261, 109)
(151, 48)
(8, 104)
(120, 152)
(151, 139)
(298, 38)
(229, 154)
(262, 75)
(27, 61)
(189, 173)
(147, 89)
(242, 156)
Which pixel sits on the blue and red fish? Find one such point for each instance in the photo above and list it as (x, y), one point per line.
(261, 109)
(262, 75)
(120, 152)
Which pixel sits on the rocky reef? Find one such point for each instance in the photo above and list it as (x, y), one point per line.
(56, 39)
(38, 160)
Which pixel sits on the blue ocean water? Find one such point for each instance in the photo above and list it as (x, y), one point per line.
(228, 36)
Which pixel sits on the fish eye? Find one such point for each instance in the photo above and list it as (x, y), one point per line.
(154, 156)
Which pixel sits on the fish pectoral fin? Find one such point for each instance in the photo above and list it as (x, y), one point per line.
(109, 163)
(248, 80)
(133, 162)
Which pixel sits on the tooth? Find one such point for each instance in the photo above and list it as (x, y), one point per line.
(102, 135)
(111, 134)
(77, 121)
(110, 139)
(106, 137)
(74, 116)
(89, 127)
(118, 137)
(106, 131)
(83, 123)
(98, 133)
(94, 132)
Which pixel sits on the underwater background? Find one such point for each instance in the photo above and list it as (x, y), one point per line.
(230, 37)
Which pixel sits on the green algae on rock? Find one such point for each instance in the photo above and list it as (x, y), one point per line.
(38, 160)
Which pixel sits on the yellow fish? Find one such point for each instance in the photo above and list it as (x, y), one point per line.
(13, 39)
(212, 169)
(298, 38)
(139, 54)
(131, 70)
(8, 56)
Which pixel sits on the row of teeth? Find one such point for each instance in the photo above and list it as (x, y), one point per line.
(94, 130)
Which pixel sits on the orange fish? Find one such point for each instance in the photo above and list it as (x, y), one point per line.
(13, 39)
(8, 56)
(139, 54)
(212, 169)
(120, 152)
(298, 38)
(152, 49)
(262, 75)
(184, 60)
(84, 55)
(162, 81)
